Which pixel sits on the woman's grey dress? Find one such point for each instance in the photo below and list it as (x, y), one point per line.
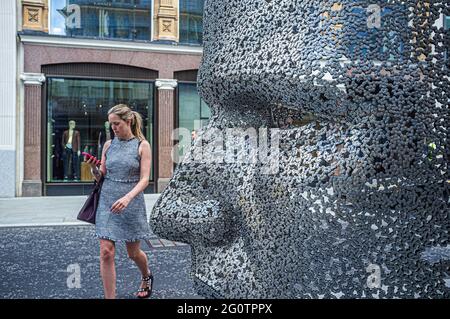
(122, 175)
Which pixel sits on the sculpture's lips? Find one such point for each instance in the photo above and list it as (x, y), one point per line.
(188, 221)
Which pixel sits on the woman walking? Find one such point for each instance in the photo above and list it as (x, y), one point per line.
(121, 213)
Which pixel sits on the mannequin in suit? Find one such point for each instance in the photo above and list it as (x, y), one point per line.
(103, 136)
(71, 151)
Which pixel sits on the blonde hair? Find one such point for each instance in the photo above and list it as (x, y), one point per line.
(125, 113)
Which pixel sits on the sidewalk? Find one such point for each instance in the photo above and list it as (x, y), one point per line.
(49, 211)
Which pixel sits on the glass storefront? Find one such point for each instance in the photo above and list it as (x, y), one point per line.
(193, 114)
(191, 21)
(114, 19)
(77, 121)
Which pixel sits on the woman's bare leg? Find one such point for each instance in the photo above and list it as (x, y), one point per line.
(140, 258)
(107, 268)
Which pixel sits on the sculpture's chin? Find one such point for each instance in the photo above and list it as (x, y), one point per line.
(205, 290)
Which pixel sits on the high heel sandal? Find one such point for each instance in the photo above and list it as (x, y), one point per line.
(148, 289)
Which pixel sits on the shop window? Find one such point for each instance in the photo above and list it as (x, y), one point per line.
(193, 114)
(117, 19)
(77, 121)
(191, 21)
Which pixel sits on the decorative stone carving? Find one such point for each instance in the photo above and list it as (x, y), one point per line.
(352, 201)
(166, 84)
(166, 20)
(32, 78)
(35, 15)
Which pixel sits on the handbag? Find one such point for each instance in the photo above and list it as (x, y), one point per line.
(89, 209)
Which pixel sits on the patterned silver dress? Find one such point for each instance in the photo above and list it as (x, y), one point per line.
(122, 175)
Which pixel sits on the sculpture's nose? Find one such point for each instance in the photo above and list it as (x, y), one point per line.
(185, 215)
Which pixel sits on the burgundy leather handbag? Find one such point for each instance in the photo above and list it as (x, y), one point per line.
(89, 209)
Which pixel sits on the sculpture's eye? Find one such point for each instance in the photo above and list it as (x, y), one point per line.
(286, 118)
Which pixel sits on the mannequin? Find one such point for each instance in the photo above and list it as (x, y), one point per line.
(103, 136)
(71, 151)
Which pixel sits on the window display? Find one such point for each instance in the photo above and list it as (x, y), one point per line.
(103, 136)
(71, 152)
(77, 121)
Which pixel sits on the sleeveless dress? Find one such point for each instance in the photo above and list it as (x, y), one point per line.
(122, 175)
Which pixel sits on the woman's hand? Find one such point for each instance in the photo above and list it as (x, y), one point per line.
(120, 205)
(92, 161)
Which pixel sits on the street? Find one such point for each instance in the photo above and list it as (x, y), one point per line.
(62, 262)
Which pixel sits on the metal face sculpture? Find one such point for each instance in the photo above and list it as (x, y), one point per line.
(323, 172)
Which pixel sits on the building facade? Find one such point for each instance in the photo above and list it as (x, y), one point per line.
(78, 58)
(65, 62)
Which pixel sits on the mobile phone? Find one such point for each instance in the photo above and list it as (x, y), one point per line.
(89, 156)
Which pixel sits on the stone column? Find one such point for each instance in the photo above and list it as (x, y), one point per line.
(35, 15)
(8, 112)
(166, 109)
(166, 20)
(32, 183)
